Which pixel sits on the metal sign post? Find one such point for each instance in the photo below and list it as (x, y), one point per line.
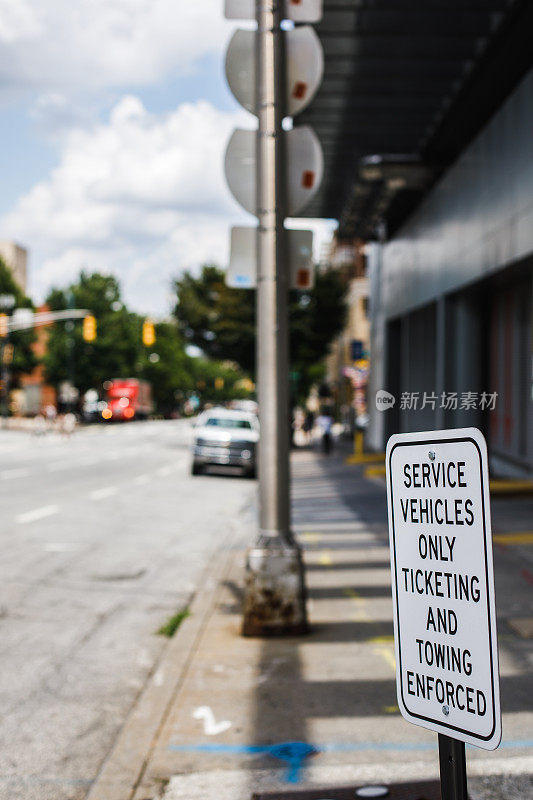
(443, 593)
(273, 173)
(452, 762)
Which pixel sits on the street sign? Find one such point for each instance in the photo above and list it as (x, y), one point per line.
(295, 10)
(304, 64)
(443, 585)
(242, 270)
(304, 167)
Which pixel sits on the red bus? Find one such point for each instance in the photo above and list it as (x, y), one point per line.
(127, 398)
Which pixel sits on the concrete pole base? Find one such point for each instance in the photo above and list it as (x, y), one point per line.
(274, 593)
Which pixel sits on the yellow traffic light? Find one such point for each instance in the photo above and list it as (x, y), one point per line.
(148, 333)
(89, 328)
(3, 325)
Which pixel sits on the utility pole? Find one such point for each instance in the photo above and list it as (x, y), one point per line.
(275, 589)
(7, 301)
(6, 375)
(273, 72)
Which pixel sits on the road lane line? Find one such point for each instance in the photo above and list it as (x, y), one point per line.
(59, 466)
(7, 474)
(36, 514)
(88, 462)
(101, 494)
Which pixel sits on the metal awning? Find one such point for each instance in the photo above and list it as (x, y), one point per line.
(407, 84)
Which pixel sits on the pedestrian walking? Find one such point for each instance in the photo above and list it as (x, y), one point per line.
(325, 422)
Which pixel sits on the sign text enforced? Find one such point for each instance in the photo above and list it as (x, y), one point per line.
(443, 584)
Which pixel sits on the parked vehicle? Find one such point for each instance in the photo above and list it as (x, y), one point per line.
(127, 399)
(225, 437)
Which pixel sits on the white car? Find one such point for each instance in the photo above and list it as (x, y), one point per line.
(225, 437)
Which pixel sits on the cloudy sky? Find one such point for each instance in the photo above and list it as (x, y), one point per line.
(115, 118)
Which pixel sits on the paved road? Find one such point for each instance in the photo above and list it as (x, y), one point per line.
(104, 537)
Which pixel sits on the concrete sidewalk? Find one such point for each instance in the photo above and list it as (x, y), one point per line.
(224, 716)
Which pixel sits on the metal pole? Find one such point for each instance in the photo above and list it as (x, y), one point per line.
(272, 283)
(452, 769)
(6, 379)
(274, 596)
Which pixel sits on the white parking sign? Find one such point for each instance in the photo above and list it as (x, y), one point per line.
(443, 584)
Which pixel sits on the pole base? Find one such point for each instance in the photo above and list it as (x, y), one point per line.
(274, 593)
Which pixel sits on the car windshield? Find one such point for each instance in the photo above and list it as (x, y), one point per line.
(228, 422)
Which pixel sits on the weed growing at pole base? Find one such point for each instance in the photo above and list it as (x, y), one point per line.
(172, 624)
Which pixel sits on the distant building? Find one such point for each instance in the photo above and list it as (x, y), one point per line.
(35, 394)
(16, 258)
(346, 364)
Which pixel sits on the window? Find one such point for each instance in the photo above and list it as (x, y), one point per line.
(228, 422)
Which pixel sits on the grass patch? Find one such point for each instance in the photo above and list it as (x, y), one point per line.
(172, 624)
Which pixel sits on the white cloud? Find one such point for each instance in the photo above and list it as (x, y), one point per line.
(61, 44)
(141, 195)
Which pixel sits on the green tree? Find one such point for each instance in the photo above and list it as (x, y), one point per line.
(24, 359)
(116, 351)
(167, 367)
(218, 320)
(219, 381)
(221, 321)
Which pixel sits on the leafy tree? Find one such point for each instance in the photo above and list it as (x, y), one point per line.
(24, 359)
(168, 368)
(116, 351)
(221, 321)
(219, 381)
(218, 320)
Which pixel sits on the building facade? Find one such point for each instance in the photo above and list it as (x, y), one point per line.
(452, 298)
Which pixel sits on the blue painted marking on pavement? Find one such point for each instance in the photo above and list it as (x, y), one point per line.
(296, 753)
(292, 753)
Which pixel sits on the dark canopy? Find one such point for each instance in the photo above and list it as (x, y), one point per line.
(407, 84)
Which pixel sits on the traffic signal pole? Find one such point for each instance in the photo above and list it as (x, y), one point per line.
(274, 601)
(6, 376)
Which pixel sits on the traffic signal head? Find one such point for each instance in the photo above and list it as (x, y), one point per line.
(3, 325)
(89, 328)
(148, 335)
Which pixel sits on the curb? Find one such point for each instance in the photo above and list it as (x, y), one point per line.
(123, 769)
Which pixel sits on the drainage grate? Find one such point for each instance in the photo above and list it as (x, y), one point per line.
(415, 790)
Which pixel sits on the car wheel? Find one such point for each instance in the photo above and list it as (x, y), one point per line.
(196, 469)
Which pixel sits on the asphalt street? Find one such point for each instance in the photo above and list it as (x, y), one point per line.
(104, 537)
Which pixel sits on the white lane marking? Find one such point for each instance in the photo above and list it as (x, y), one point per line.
(59, 466)
(101, 494)
(7, 474)
(140, 480)
(60, 547)
(163, 471)
(38, 513)
(211, 727)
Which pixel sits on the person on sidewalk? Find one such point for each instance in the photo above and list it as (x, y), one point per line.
(325, 422)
